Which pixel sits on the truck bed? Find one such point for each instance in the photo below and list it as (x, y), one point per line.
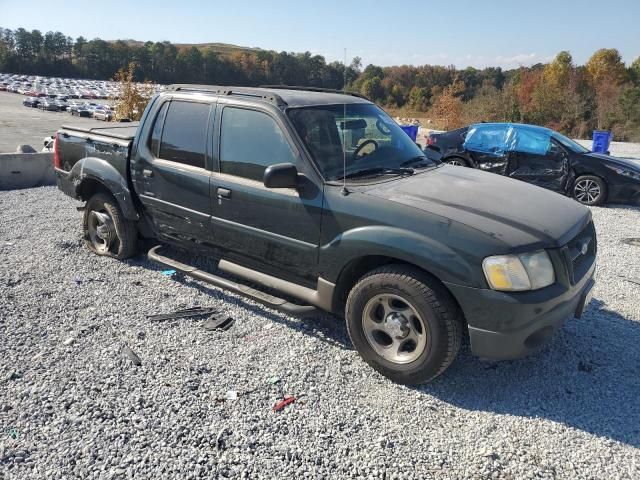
(109, 143)
(121, 131)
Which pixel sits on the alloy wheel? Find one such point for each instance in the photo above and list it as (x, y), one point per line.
(394, 328)
(102, 232)
(587, 191)
(456, 163)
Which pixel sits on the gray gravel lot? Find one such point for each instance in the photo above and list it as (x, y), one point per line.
(618, 149)
(72, 406)
(21, 125)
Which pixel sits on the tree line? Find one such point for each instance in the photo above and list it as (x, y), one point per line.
(574, 99)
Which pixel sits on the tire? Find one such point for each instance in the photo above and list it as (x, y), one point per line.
(589, 190)
(458, 161)
(106, 231)
(372, 318)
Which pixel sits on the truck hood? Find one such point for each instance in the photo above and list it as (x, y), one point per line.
(516, 213)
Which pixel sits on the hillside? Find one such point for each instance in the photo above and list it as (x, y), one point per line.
(222, 48)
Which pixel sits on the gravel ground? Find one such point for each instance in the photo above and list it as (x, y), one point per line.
(618, 149)
(73, 406)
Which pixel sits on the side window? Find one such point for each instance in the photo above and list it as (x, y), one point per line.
(154, 142)
(555, 151)
(250, 141)
(184, 136)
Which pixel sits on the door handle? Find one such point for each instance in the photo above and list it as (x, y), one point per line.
(224, 193)
(147, 173)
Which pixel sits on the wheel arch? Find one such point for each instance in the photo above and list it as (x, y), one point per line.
(92, 174)
(357, 268)
(457, 156)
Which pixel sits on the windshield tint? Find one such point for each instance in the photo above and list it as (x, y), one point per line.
(371, 139)
(570, 144)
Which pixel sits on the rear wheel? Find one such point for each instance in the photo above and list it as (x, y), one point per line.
(404, 324)
(106, 231)
(589, 190)
(457, 161)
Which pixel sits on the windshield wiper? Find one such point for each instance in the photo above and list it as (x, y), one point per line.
(418, 159)
(380, 171)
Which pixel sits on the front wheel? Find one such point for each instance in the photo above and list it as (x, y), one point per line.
(404, 324)
(106, 231)
(589, 190)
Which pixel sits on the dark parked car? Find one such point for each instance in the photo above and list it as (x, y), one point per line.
(542, 157)
(32, 102)
(49, 104)
(321, 196)
(80, 111)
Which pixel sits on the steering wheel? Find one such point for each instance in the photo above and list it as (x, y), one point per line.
(359, 148)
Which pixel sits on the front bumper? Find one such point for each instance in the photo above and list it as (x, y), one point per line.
(505, 325)
(628, 192)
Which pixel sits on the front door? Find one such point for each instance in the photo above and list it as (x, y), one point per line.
(173, 176)
(549, 169)
(277, 229)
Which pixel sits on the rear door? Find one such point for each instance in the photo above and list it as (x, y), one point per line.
(173, 168)
(276, 230)
(485, 145)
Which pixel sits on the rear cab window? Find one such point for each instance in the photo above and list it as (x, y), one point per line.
(184, 133)
(154, 140)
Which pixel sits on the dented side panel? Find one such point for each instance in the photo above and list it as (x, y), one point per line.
(93, 157)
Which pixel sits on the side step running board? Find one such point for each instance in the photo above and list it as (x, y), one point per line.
(264, 298)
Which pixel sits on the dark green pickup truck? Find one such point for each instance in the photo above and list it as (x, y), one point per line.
(319, 195)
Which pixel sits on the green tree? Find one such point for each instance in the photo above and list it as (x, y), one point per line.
(419, 98)
(372, 89)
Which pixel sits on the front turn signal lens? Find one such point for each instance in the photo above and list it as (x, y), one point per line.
(515, 273)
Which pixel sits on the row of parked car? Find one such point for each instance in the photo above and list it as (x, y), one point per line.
(58, 94)
(75, 108)
(37, 86)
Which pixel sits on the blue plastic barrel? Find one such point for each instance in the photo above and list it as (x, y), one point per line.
(601, 141)
(411, 130)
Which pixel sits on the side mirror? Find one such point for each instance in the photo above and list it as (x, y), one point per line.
(281, 175)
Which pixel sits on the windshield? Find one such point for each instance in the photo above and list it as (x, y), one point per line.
(570, 144)
(373, 141)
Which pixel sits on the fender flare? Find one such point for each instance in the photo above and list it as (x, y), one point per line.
(101, 171)
(426, 253)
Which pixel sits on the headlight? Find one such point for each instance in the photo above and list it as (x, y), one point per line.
(625, 172)
(513, 273)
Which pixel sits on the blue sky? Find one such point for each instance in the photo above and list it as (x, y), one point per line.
(462, 32)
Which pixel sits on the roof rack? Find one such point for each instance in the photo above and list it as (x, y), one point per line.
(226, 90)
(315, 89)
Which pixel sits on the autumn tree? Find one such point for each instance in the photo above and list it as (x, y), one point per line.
(133, 97)
(447, 108)
(527, 83)
(606, 73)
